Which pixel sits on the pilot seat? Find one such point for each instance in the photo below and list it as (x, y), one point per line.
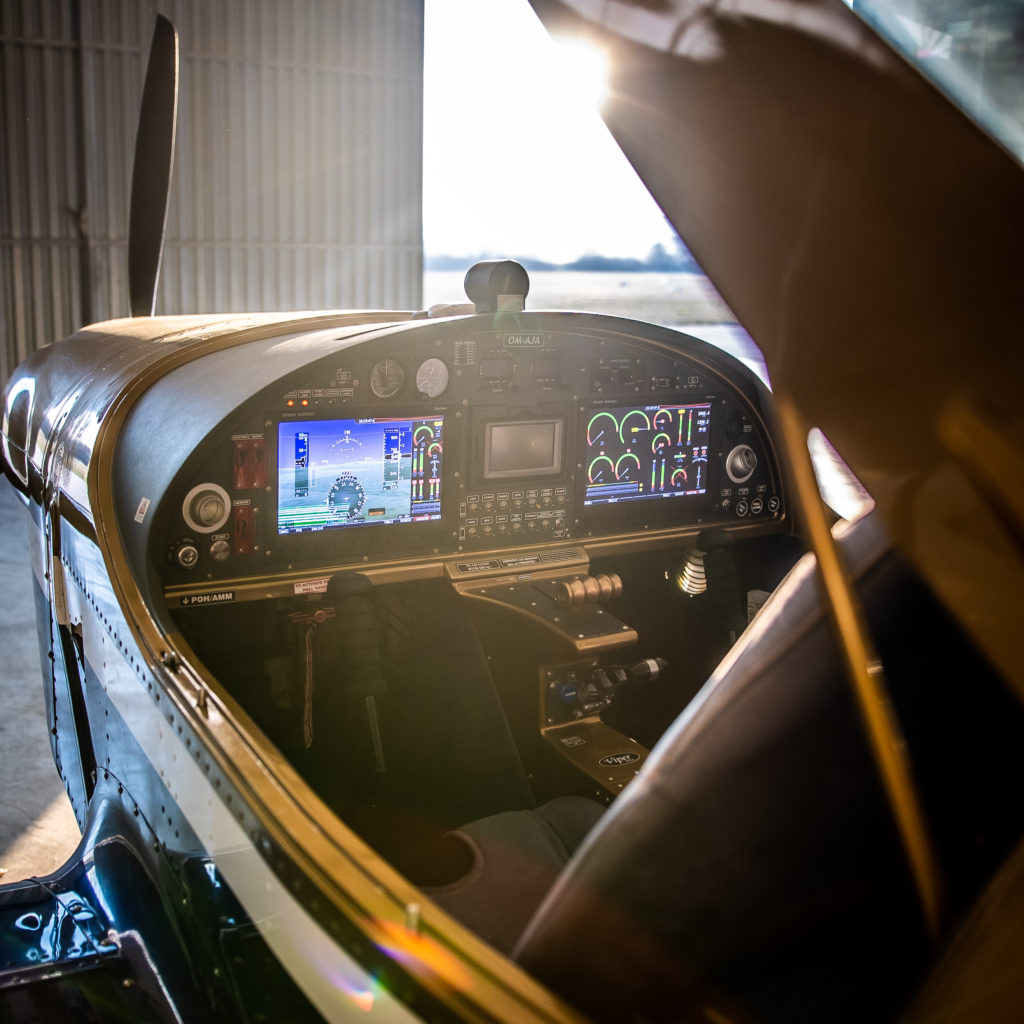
(754, 864)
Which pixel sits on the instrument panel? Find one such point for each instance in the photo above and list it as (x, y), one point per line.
(441, 440)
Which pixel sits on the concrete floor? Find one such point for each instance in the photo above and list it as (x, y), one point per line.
(37, 828)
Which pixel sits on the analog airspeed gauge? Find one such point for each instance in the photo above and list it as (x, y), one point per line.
(432, 377)
(387, 378)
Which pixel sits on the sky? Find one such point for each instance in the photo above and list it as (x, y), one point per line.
(517, 161)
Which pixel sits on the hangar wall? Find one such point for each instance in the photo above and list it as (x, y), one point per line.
(297, 180)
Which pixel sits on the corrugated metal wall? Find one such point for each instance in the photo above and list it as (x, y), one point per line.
(297, 179)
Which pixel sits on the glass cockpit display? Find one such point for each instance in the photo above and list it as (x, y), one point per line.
(355, 472)
(646, 452)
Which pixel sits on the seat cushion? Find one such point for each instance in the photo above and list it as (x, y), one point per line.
(516, 857)
(754, 861)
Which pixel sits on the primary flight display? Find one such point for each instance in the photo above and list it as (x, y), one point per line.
(356, 472)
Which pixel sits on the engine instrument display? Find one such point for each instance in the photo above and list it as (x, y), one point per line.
(357, 472)
(646, 452)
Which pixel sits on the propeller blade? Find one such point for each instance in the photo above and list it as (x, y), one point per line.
(151, 173)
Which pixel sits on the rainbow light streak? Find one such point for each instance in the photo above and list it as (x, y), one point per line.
(363, 998)
(420, 952)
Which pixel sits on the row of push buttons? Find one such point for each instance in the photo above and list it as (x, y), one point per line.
(510, 514)
(502, 501)
(756, 506)
(551, 523)
(744, 503)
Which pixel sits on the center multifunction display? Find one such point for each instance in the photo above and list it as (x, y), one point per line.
(518, 485)
(343, 473)
(521, 448)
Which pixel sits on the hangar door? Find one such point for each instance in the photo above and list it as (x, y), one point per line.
(297, 178)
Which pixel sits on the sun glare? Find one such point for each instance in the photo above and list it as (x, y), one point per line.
(581, 71)
(516, 159)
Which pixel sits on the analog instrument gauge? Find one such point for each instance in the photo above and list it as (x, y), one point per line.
(432, 377)
(387, 378)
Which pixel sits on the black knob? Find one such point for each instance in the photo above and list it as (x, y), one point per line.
(497, 285)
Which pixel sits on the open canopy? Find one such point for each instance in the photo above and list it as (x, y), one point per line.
(867, 233)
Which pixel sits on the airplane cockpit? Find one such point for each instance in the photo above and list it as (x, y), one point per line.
(553, 522)
(493, 662)
(457, 569)
(462, 574)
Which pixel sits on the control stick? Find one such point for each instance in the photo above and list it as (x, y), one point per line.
(359, 649)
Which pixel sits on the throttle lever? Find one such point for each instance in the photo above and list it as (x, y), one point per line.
(583, 590)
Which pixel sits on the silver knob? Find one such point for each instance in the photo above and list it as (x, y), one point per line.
(187, 555)
(740, 463)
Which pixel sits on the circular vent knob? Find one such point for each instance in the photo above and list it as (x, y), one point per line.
(206, 508)
(741, 463)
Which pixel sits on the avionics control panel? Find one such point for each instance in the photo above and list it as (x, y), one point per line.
(432, 439)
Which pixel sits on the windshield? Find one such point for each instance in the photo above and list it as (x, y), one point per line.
(520, 165)
(973, 51)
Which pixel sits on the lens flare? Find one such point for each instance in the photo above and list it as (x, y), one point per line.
(581, 71)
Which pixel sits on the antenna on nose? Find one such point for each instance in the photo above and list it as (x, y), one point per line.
(151, 173)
